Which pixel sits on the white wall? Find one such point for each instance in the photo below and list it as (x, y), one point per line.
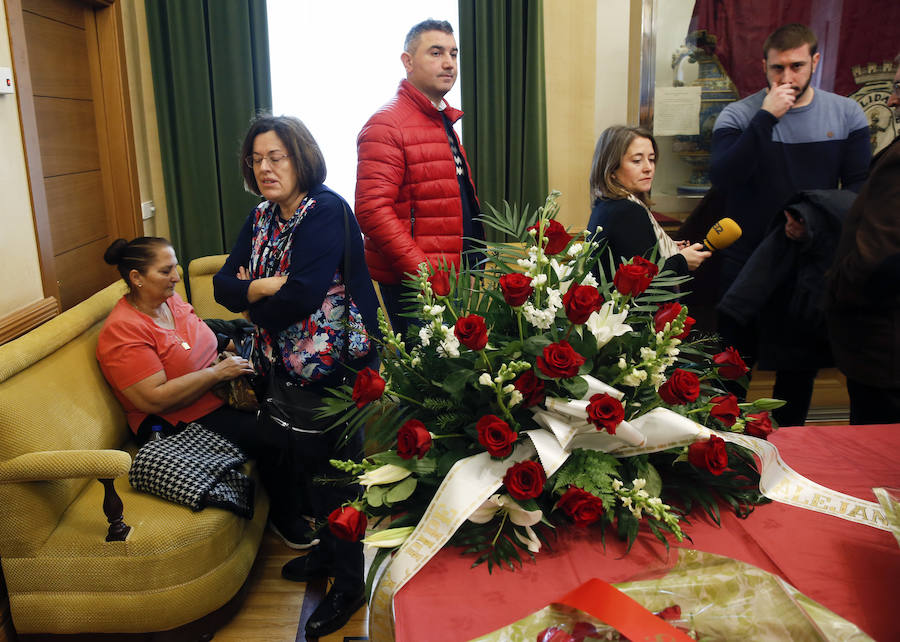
(18, 247)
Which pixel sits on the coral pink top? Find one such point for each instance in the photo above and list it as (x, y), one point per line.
(131, 347)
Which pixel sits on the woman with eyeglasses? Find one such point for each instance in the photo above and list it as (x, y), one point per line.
(285, 273)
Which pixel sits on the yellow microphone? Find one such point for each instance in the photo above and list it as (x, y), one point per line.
(722, 234)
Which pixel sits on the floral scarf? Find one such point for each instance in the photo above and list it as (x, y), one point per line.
(270, 255)
(309, 349)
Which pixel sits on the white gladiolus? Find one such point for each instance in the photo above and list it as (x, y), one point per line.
(604, 324)
(515, 398)
(387, 474)
(485, 380)
(449, 345)
(554, 299)
(542, 319)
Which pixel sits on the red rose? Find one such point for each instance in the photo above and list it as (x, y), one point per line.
(525, 480)
(581, 506)
(731, 366)
(368, 386)
(471, 332)
(632, 279)
(759, 425)
(667, 313)
(555, 236)
(496, 435)
(580, 301)
(605, 412)
(531, 387)
(516, 288)
(440, 283)
(347, 523)
(725, 409)
(709, 455)
(680, 388)
(560, 361)
(413, 439)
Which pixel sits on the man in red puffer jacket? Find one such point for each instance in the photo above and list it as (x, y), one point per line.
(415, 201)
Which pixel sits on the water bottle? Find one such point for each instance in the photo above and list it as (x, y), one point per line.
(156, 433)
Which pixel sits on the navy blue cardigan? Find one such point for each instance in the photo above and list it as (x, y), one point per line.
(316, 252)
(627, 232)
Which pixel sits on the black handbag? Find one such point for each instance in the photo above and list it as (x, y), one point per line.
(287, 410)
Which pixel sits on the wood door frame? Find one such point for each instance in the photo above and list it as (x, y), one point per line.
(109, 79)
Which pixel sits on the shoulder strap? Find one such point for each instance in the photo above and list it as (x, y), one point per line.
(345, 350)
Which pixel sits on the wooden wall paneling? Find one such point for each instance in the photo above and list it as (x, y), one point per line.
(118, 125)
(82, 272)
(55, 71)
(75, 205)
(60, 10)
(100, 120)
(68, 134)
(17, 323)
(33, 164)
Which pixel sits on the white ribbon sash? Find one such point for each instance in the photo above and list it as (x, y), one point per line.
(473, 480)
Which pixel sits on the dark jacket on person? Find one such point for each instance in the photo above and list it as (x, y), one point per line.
(626, 232)
(782, 285)
(317, 251)
(863, 302)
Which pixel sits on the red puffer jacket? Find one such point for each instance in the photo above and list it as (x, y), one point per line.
(407, 194)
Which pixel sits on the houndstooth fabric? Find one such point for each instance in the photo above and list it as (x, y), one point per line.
(196, 468)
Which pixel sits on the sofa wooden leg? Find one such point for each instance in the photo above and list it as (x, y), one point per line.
(112, 507)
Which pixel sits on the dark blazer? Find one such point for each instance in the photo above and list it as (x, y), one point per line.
(316, 252)
(627, 232)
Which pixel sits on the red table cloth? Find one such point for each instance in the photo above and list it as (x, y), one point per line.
(849, 568)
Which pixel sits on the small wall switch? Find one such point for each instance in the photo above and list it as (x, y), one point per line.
(147, 210)
(6, 81)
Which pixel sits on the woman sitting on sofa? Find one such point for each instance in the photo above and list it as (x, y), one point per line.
(158, 356)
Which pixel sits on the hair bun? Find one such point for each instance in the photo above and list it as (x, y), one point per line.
(115, 251)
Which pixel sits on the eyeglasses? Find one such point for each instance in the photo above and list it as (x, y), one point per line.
(274, 160)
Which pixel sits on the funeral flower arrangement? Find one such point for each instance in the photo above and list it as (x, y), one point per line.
(536, 346)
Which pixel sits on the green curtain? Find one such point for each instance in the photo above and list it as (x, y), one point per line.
(210, 61)
(501, 45)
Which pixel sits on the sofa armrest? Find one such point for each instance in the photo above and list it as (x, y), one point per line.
(104, 465)
(65, 464)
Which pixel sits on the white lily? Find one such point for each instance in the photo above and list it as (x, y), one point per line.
(604, 324)
(532, 543)
(517, 514)
(389, 537)
(387, 474)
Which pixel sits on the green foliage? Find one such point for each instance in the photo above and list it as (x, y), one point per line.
(590, 470)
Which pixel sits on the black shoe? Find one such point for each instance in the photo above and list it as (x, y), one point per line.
(304, 569)
(334, 611)
(295, 534)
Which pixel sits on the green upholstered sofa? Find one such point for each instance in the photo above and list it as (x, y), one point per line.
(61, 429)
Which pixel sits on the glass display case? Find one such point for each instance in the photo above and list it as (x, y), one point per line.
(683, 89)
